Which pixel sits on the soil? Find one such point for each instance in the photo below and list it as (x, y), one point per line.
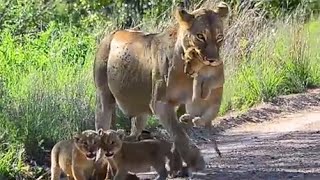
(275, 140)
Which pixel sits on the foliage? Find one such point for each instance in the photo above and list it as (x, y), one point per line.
(47, 50)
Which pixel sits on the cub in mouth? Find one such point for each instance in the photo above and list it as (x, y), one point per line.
(134, 156)
(75, 157)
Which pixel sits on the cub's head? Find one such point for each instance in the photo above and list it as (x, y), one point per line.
(88, 142)
(201, 35)
(111, 141)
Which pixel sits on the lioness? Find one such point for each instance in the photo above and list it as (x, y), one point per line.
(136, 156)
(144, 74)
(75, 157)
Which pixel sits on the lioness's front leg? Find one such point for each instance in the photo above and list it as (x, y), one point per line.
(188, 151)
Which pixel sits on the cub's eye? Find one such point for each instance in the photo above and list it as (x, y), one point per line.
(220, 38)
(112, 142)
(201, 37)
(85, 143)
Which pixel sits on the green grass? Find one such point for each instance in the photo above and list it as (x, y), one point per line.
(47, 91)
(285, 61)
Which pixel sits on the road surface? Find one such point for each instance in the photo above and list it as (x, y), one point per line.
(279, 140)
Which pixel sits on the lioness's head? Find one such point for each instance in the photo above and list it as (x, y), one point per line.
(199, 39)
(88, 142)
(202, 31)
(111, 141)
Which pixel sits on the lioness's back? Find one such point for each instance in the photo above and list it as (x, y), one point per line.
(130, 36)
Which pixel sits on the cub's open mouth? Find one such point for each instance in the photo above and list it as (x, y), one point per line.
(109, 154)
(91, 155)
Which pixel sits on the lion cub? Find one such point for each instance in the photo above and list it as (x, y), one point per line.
(104, 170)
(75, 157)
(134, 156)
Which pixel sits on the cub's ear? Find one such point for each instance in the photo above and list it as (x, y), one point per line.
(121, 133)
(100, 132)
(76, 137)
(222, 9)
(184, 18)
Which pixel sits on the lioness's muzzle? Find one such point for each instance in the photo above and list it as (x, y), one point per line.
(211, 62)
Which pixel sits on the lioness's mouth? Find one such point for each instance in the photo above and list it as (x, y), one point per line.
(91, 155)
(212, 62)
(109, 154)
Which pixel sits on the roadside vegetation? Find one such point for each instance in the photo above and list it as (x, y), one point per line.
(47, 50)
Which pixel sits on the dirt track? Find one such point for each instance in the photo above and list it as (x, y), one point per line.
(278, 140)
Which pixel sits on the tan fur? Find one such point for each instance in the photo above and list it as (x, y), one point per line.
(75, 157)
(106, 170)
(144, 74)
(137, 156)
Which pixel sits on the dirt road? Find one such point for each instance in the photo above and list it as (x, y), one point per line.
(278, 140)
(284, 148)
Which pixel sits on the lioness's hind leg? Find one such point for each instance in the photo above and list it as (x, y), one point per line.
(105, 102)
(138, 124)
(105, 108)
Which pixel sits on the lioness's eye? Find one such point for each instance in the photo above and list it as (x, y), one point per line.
(201, 37)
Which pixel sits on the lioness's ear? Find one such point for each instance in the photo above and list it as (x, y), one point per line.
(183, 17)
(222, 9)
(100, 132)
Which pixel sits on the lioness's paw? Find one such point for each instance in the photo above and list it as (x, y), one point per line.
(186, 118)
(198, 122)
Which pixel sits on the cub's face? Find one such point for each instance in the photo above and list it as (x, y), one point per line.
(111, 142)
(88, 142)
